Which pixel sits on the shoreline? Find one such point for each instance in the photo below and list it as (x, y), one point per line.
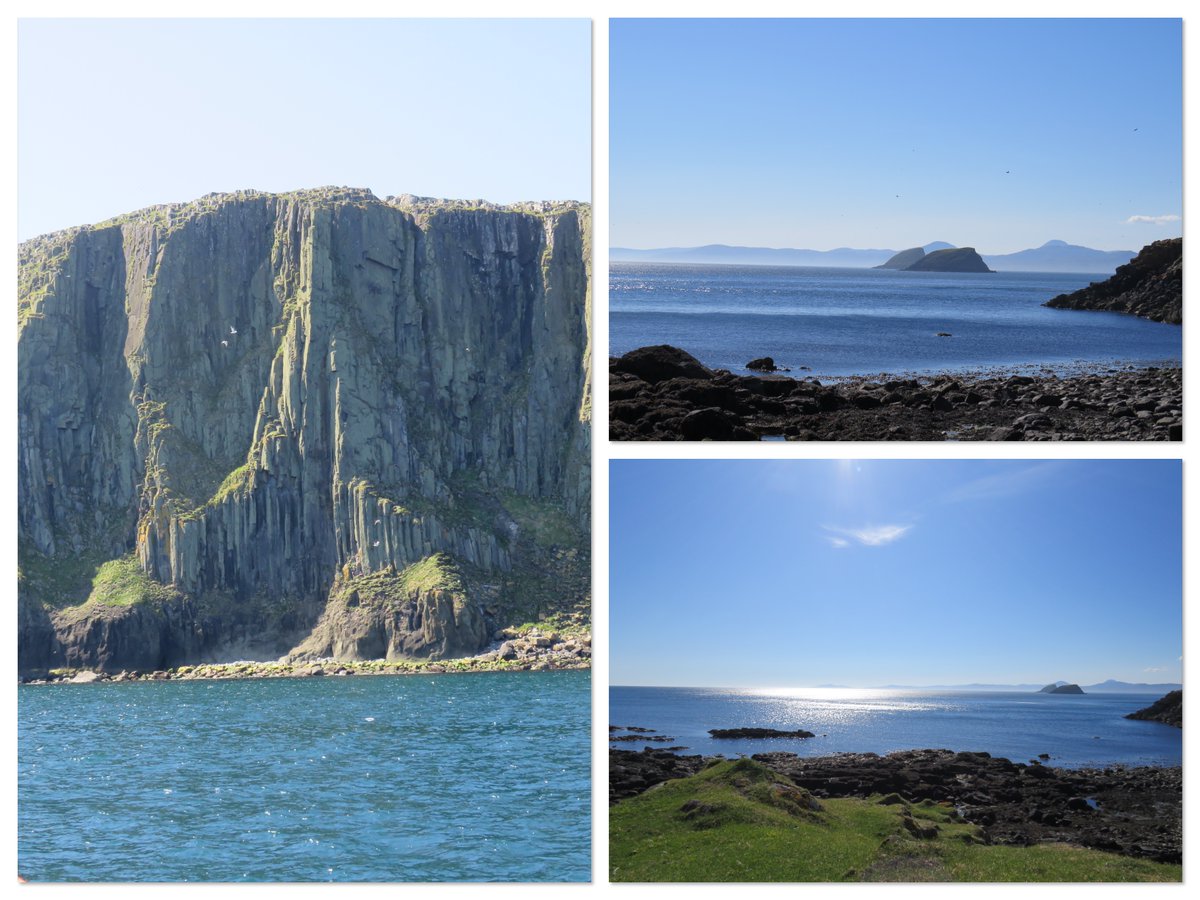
(531, 651)
(663, 393)
(1131, 810)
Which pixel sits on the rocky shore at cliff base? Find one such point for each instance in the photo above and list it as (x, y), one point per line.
(531, 650)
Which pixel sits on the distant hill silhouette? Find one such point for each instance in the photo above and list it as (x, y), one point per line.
(1059, 256)
(1052, 256)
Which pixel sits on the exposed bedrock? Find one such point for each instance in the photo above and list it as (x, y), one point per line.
(246, 405)
(1150, 285)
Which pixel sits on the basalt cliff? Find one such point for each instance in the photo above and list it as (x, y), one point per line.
(317, 424)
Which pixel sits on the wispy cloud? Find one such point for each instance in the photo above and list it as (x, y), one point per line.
(1152, 669)
(1151, 220)
(837, 542)
(1007, 483)
(872, 536)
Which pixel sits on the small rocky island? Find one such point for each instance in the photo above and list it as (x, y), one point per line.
(1150, 286)
(1061, 688)
(758, 733)
(952, 259)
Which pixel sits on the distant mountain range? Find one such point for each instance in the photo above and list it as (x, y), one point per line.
(1052, 256)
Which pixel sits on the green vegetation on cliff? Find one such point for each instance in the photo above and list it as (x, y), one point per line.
(739, 821)
(121, 582)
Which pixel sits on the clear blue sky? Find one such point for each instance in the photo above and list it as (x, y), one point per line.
(115, 115)
(800, 133)
(798, 573)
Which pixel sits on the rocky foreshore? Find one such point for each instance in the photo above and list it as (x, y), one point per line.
(1136, 811)
(663, 393)
(531, 650)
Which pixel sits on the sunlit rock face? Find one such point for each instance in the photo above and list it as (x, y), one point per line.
(317, 422)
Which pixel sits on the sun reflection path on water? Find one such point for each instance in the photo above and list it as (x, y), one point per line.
(839, 706)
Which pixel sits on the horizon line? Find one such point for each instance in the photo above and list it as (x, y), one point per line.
(896, 687)
(612, 247)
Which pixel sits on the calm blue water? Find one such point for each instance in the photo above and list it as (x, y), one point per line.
(1088, 730)
(865, 321)
(440, 778)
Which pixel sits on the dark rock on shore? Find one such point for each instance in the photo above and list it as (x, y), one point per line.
(661, 363)
(1168, 710)
(762, 364)
(758, 733)
(1150, 286)
(1133, 811)
(630, 772)
(676, 398)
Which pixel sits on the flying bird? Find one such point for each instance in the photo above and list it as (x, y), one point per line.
(376, 544)
(232, 330)
(377, 521)
(224, 343)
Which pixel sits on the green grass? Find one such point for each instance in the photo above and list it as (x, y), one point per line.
(739, 821)
(436, 572)
(236, 482)
(390, 588)
(121, 582)
(565, 624)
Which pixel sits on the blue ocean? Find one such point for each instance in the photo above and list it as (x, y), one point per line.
(482, 777)
(1076, 730)
(842, 322)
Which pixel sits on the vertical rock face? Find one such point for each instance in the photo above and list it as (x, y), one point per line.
(280, 405)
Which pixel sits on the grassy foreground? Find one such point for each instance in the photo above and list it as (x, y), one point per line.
(739, 821)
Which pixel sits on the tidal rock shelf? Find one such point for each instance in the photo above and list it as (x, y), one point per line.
(1136, 811)
(320, 424)
(533, 652)
(663, 393)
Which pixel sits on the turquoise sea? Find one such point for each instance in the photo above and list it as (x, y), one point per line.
(479, 777)
(841, 322)
(1076, 730)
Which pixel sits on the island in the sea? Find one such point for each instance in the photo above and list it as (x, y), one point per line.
(1061, 687)
(950, 259)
